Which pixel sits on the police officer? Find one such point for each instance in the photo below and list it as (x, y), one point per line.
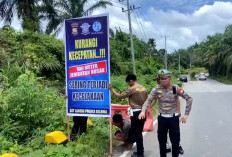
(137, 95)
(168, 119)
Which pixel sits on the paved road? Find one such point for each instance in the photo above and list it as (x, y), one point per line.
(208, 132)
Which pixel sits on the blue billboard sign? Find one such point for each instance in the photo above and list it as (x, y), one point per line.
(87, 60)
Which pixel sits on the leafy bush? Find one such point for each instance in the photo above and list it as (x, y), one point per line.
(119, 84)
(192, 75)
(5, 144)
(42, 54)
(195, 71)
(29, 111)
(31, 107)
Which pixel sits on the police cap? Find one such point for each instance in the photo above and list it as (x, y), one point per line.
(164, 73)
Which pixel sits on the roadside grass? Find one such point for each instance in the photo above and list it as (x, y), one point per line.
(222, 79)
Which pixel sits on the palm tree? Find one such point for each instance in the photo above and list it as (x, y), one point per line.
(151, 46)
(25, 10)
(65, 9)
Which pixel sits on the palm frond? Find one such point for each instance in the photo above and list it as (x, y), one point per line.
(99, 4)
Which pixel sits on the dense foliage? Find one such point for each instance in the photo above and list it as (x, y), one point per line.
(214, 53)
(41, 54)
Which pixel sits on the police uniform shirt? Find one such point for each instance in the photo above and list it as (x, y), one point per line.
(168, 101)
(137, 95)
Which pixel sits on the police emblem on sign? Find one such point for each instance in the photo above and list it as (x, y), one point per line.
(85, 28)
(74, 29)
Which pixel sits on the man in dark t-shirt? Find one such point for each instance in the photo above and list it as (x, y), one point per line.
(124, 134)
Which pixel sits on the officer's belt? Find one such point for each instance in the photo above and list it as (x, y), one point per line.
(168, 115)
(134, 110)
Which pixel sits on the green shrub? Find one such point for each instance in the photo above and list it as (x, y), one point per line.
(29, 106)
(119, 84)
(192, 75)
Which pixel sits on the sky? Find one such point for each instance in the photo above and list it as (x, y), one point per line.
(184, 21)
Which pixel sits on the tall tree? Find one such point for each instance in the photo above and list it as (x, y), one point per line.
(160, 55)
(65, 9)
(25, 10)
(151, 47)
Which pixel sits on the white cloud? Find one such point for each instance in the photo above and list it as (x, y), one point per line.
(184, 29)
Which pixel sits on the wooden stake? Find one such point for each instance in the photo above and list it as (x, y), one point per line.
(68, 127)
(111, 140)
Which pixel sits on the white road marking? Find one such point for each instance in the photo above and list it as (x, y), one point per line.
(207, 87)
(125, 153)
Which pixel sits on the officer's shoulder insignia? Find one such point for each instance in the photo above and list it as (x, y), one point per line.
(180, 90)
(141, 89)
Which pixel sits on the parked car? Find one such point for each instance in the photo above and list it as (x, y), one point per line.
(202, 76)
(183, 78)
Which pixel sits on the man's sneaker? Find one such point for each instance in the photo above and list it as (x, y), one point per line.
(168, 150)
(129, 146)
(181, 151)
(73, 137)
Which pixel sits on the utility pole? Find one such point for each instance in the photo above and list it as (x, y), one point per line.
(190, 61)
(190, 64)
(129, 8)
(179, 62)
(166, 59)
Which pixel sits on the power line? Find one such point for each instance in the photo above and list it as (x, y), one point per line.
(145, 11)
(125, 27)
(141, 25)
(149, 19)
(117, 6)
(118, 2)
(156, 34)
(115, 25)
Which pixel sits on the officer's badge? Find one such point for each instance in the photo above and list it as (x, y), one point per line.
(162, 73)
(74, 27)
(159, 91)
